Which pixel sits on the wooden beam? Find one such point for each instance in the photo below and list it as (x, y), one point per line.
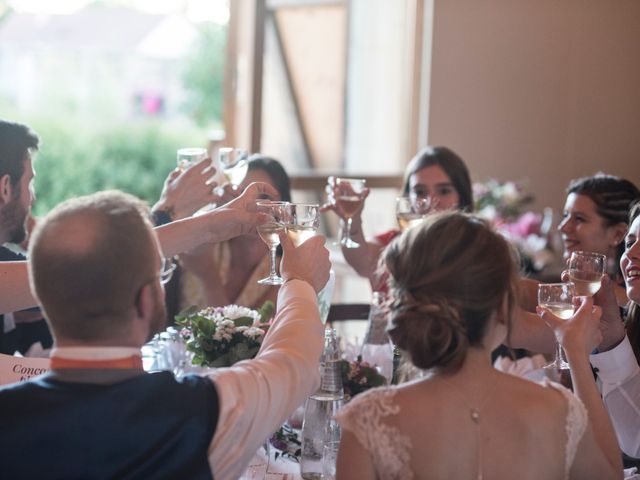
(258, 64)
(317, 181)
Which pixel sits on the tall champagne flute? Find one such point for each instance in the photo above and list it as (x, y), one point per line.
(190, 155)
(558, 299)
(348, 196)
(585, 271)
(302, 221)
(270, 234)
(234, 164)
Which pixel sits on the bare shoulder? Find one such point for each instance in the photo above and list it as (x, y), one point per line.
(544, 398)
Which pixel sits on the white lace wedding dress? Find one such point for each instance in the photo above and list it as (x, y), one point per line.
(390, 449)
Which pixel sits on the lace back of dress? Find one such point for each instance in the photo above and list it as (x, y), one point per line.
(367, 418)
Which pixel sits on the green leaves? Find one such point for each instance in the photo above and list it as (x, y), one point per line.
(216, 338)
(267, 311)
(243, 321)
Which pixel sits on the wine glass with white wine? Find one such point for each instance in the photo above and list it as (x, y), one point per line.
(406, 213)
(585, 272)
(270, 234)
(558, 299)
(302, 221)
(188, 156)
(234, 163)
(348, 195)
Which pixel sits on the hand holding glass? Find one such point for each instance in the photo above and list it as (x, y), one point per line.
(348, 195)
(585, 272)
(558, 299)
(270, 234)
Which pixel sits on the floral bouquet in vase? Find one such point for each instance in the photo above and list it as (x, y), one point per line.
(221, 336)
(359, 376)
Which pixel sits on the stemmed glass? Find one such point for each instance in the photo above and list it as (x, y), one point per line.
(558, 299)
(302, 221)
(190, 155)
(269, 233)
(585, 272)
(348, 195)
(406, 213)
(234, 163)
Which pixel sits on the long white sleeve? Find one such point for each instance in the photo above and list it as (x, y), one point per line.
(256, 396)
(619, 382)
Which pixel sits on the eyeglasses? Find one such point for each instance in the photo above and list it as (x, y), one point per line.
(166, 272)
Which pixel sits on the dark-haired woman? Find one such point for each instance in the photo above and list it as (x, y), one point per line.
(595, 219)
(452, 286)
(596, 215)
(228, 272)
(435, 173)
(617, 357)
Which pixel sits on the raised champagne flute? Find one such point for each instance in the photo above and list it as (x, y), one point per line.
(558, 299)
(302, 221)
(234, 163)
(270, 234)
(188, 156)
(348, 197)
(585, 272)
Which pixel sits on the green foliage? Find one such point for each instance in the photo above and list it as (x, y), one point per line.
(78, 158)
(287, 443)
(203, 77)
(267, 311)
(222, 336)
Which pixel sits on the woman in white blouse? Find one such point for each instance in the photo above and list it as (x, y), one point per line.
(616, 359)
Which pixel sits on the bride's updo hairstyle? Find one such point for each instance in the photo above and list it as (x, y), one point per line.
(448, 276)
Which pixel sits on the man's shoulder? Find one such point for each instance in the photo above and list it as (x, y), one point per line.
(158, 381)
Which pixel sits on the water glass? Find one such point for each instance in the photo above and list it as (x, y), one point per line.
(188, 156)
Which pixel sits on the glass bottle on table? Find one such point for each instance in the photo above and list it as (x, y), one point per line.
(377, 348)
(319, 427)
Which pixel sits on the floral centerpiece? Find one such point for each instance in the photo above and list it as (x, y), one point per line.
(359, 376)
(500, 201)
(503, 203)
(222, 336)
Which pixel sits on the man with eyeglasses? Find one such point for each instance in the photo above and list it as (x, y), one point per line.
(97, 414)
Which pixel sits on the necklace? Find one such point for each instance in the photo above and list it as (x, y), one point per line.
(475, 414)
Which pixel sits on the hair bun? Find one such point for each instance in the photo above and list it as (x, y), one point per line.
(430, 331)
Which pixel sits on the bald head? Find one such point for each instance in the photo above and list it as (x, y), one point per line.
(88, 259)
